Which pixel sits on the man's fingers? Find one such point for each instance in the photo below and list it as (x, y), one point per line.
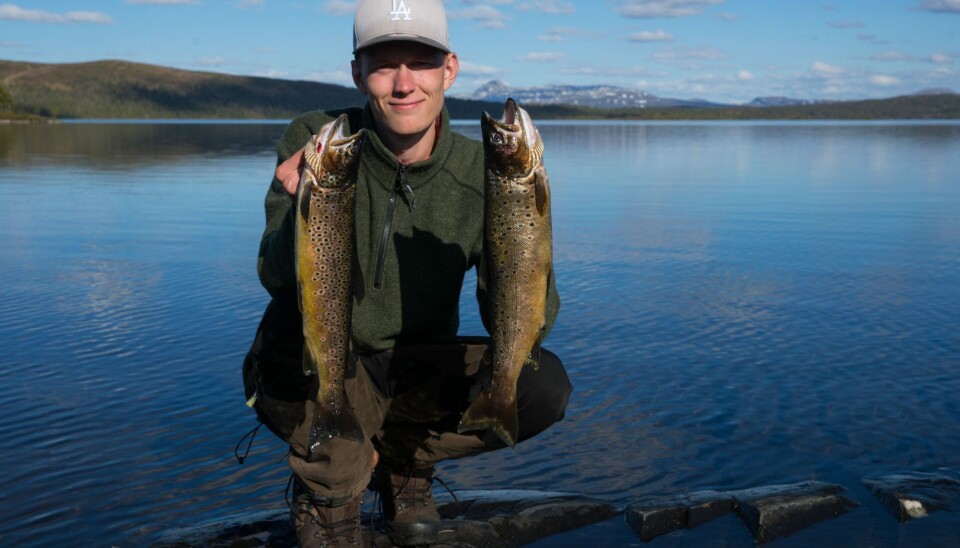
(288, 172)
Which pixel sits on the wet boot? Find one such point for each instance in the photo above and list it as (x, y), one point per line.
(408, 506)
(322, 522)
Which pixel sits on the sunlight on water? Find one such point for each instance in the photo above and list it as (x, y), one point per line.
(743, 304)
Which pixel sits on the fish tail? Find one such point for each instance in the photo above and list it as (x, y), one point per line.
(332, 422)
(485, 412)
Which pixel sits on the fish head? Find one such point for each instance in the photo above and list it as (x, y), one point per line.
(334, 155)
(512, 144)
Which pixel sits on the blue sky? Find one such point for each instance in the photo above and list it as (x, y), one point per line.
(720, 50)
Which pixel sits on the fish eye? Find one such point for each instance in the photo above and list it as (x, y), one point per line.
(496, 139)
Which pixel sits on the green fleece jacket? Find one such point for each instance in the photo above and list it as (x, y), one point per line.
(419, 228)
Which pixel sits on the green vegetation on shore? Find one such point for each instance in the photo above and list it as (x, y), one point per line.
(9, 111)
(121, 89)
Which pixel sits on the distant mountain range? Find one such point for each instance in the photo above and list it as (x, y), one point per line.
(613, 97)
(121, 89)
(583, 96)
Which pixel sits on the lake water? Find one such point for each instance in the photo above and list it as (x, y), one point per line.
(744, 304)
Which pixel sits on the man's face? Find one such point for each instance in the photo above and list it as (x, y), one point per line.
(405, 83)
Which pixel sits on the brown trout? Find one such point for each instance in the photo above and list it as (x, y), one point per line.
(518, 255)
(324, 261)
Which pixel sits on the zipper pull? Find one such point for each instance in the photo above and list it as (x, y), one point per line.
(402, 187)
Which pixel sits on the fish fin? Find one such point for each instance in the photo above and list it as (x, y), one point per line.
(303, 197)
(541, 187)
(533, 358)
(303, 210)
(330, 422)
(307, 361)
(484, 413)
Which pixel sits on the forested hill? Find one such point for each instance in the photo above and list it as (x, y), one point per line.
(121, 89)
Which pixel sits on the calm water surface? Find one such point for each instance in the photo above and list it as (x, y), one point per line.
(743, 304)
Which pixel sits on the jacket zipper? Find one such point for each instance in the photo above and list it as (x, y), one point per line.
(400, 187)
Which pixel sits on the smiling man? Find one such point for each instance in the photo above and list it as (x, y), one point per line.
(419, 228)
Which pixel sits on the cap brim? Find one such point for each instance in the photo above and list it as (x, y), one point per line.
(402, 38)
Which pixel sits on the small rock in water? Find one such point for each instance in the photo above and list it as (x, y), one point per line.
(781, 510)
(914, 495)
(651, 518)
(707, 506)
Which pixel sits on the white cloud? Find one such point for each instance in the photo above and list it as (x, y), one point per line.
(560, 34)
(163, 2)
(942, 6)
(688, 53)
(823, 70)
(872, 38)
(486, 16)
(591, 70)
(745, 76)
(883, 80)
(212, 61)
(547, 6)
(340, 7)
(473, 69)
(889, 56)
(729, 17)
(941, 58)
(271, 73)
(645, 36)
(89, 17)
(342, 77)
(542, 57)
(846, 24)
(647, 9)
(11, 12)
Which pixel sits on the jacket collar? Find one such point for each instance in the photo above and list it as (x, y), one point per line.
(381, 160)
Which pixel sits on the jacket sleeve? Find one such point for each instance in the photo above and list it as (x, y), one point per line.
(275, 264)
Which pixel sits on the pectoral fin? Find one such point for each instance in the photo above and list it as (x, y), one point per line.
(542, 189)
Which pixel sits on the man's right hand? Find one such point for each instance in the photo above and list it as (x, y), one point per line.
(288, 173)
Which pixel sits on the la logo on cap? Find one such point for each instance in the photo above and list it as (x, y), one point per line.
(400, 10)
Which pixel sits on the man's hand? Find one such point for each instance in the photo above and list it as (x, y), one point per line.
(288, 173)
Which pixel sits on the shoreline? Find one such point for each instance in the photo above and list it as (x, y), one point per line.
(520, 517)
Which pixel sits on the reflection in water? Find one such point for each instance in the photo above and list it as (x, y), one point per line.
(112, 145)
(743, 304)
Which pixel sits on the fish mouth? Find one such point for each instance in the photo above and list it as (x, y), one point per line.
(513, 139)
(335, 135)
(508, 122)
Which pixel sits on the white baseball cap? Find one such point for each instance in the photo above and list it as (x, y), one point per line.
(423, 21)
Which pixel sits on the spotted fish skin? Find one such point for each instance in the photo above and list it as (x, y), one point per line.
(518, 260)
(324, 243)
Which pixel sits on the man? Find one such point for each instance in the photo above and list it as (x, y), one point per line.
(419, 228)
